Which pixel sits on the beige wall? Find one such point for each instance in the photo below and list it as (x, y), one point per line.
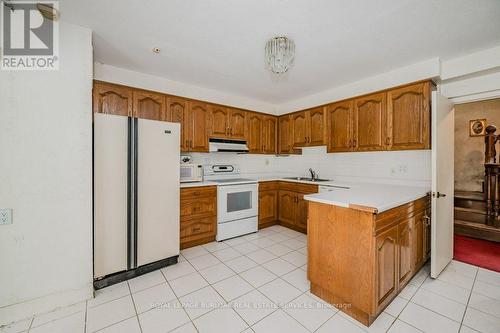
(469, 151)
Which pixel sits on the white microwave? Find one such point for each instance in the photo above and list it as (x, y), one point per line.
(191, 172)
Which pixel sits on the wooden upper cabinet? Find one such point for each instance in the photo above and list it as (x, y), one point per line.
(269, 134)
(408, 117)
(237, 122)
(285, 135)
(112, 99)
(316, 126)
(299, 129)
(219, 121)
(339, 124)
(177, 109)
(386, 265)
(370, 122)
(254, 136)
(149, 105)
(198, 126)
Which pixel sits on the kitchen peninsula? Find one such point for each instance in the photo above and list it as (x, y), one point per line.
(365, 244)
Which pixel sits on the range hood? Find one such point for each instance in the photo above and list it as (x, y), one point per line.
(225, 146)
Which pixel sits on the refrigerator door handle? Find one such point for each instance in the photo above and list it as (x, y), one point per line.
(132, 188)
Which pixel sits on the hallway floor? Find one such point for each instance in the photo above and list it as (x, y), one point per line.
(257, 283)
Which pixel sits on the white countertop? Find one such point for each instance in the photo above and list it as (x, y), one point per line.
(381, 197)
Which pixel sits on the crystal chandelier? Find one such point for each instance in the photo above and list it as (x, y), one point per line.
(280, 53)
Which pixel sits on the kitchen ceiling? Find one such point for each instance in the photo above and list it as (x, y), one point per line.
(219, 44)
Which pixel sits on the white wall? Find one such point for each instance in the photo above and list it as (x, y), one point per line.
(46, 145)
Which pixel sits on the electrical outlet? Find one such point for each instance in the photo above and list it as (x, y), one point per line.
(403, 168)
(5, 216)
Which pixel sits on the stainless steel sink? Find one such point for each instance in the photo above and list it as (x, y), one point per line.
(308, 179)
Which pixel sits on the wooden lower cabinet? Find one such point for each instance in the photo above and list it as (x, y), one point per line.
(371, 255)
(268, 204)
(198, 220)
(292, 208)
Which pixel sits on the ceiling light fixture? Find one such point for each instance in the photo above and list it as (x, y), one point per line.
(280, 54)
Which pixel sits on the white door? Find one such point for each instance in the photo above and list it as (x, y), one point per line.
(443, 130)
(110, 194)
(158, 190)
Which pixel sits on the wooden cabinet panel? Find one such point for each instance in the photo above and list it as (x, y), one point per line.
(196, 208)
(237, 124)
(286, 206)
(427, 234)
(301, 213)
(285, 135)
(386, 264)
(112, 99)
(317, 126)
(339, 124)
(254, 137)
(198, 192)
(177, 109)
(418, 240)
(408, 117)
(299, 129)
(405, 250)
(370, 122)
(268, 207)
(269, 134)
(219, 121)
(198, 129)
(199, 228)
(149, 105)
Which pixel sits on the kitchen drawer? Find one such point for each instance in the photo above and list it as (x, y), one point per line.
(270, 185)
(198, 228)
(298, 187)
(198, 207)
(198, 192)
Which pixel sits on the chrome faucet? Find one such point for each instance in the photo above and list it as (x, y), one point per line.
(314, 175)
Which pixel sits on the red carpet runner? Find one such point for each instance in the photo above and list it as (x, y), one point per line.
(477, 252)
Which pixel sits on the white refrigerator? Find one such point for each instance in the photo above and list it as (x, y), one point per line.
(136, 196)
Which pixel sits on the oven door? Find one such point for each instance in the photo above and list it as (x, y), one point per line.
(235, 202)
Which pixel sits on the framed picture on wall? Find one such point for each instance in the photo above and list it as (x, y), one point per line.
(477, 127)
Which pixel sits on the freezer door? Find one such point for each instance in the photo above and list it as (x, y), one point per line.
(110, 193)
(158, 190)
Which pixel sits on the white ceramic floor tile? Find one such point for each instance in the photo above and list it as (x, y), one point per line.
(447, 290)
(279, 291)
(488, 276)
(246, 248)
(227, 254)
(146, 281)
(439, 304)
(108, 294)
(307, 311)
(380, 325)
(258, 276)
(215, 246)
(253, 306)
(73, 323)
(481, 321)
(252, 236)
(295, 258)
(465, 329)
(58, 314)
(486, 289)
(301, 237)
(261, 256)
(428, 321)
(220, 320)
(176, 271)
(279, 322)
(303, 250)
(278, 237)
(291, 233)
(293, 243)
(240, 264)
(16, 327)
(339, 324)
(153, 297)
(163, 319)
(127, 326)
(401, 327)
(235, 241)
(420, 277)
(205, 261)
(279, 249)
(396, 306)
(485, 304)
(408, 291)
(298, 279)
(110, 313)
(216, 273)
(202, 301)
(457, 279)
(194, 252)
(279, 266)
(462, 268)
(263, 242)
(187, 284)
(186, 328)
(232, 287)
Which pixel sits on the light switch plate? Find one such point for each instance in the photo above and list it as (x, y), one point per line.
(5, 216)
